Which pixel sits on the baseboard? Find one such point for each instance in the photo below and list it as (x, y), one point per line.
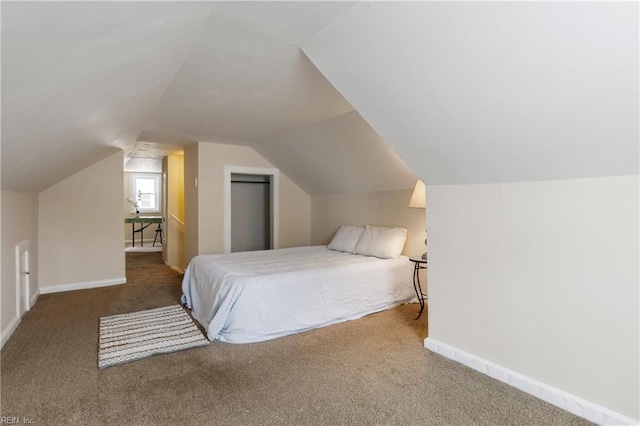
(557, 397)
(81, 286)
(8, 332)
(175, 268)
(34, 298)
(146, 241)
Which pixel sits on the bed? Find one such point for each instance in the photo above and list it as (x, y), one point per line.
(261, 295)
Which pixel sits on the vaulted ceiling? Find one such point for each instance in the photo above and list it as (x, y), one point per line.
(492, 92)
(83, 79)
(461, 92)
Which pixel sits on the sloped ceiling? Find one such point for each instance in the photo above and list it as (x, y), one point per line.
(489, 92)
(338, 156)
(463, 92)
(84, 79)
(246, 79)
(80, 79)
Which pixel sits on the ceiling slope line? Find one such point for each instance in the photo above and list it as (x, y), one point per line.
(80, 91)
(179, 68)
(487, 108)
(246, 79)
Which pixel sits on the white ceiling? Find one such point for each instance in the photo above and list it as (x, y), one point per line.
(245, 77)
(489, 92)
(463, 92)
(83, 79)
(342, 155)
(80, 79)
(147, 156)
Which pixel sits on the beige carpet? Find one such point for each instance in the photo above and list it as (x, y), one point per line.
(370, 371)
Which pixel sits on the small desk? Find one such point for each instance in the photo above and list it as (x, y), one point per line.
(141, 220)
(418, 264)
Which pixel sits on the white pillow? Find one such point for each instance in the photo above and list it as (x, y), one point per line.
(346, 238)
(381, 241)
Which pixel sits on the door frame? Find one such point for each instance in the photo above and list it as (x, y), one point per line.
(274, 186)
(22, 248)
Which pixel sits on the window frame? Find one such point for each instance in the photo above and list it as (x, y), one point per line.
(157, 177)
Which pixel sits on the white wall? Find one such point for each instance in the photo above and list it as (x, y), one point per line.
(295, 214)
(19, 213)
(3, 328)
(542, 278)
(295, 204)
(385, 208)
(80, 229)
(2, 281)
(191, 219)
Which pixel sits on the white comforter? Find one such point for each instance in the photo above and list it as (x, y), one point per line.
(256, 296)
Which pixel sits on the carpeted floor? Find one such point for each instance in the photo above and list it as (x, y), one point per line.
(369, 371)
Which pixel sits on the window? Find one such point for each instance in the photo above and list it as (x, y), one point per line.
(145, 191)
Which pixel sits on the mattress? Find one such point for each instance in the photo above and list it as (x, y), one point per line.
(260, 295)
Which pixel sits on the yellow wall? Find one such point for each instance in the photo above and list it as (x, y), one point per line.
(174, 231)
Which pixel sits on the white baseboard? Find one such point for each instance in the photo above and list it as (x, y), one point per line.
(34, 298)
(146, 241)
(557, 397)
(81, 286)
(8, 332)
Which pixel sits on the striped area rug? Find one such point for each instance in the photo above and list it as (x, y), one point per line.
(137, 335)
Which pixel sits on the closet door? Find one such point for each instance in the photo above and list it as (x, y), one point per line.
(250, 212)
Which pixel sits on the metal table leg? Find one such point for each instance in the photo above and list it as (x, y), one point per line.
(417, 286)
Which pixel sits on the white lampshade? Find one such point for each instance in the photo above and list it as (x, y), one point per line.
(419, 197)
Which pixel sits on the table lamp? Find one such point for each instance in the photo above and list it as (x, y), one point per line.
(419, 201)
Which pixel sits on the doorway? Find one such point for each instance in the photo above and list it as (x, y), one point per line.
(250, 209)
(23, 290)
(250, 212)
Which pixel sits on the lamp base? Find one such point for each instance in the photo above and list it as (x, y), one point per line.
(424, 255)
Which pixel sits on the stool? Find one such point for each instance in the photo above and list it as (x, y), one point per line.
(158, 232)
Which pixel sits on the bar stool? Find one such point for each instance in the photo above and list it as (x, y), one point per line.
(158, 232)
